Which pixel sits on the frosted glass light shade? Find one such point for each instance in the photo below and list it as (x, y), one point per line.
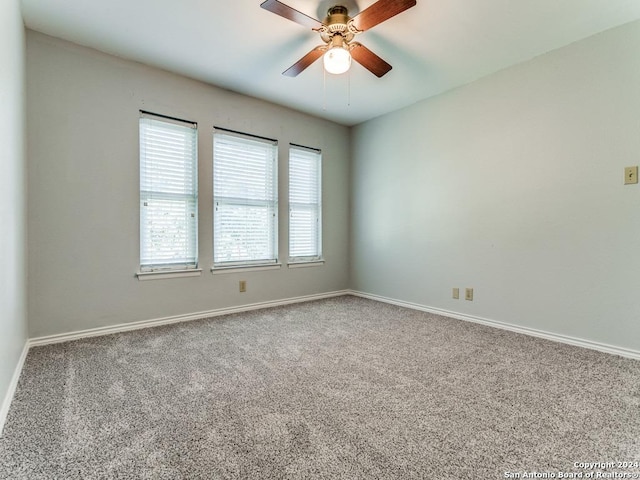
(337, 60)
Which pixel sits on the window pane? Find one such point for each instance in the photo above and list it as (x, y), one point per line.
(168, 193)
(241, 232)
(245, 200)
(305, 210)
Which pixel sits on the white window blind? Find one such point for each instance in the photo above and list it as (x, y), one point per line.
(245, 197)
(168, 193)
(305, 204)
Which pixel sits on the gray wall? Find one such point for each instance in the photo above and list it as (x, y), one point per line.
(512, 185)
(13, 319)
(82, 107)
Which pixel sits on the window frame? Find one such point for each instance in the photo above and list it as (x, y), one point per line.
(155, 267)
(314, 206)
(271, 204)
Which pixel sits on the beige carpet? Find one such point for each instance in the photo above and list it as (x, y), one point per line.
(342, 388)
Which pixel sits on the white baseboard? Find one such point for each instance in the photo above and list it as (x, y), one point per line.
(578, 342)
(125, 327)
(8, 398)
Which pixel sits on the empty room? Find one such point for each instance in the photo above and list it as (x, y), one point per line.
(352, 239)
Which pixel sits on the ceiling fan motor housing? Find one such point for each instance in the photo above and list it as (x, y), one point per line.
(337, 23)
(337, 15)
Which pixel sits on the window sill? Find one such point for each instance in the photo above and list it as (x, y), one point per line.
(310, 263)
(245, 268)
(166, 274)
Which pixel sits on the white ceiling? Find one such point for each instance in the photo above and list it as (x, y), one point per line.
(433, 47)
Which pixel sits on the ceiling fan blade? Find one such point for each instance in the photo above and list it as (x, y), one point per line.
(369, 60)
(379, 12)
(279, 8)
(305, 61)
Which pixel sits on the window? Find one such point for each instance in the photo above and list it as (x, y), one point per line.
(168, 193)
(245, 198)
(305, 204)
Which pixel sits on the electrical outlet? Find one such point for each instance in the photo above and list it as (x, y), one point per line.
(468, 294)
(630, 175)
(456, 293)
(243, 286)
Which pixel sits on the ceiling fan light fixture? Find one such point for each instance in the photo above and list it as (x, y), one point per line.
(337, 60)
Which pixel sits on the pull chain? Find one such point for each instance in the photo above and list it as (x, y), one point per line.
(349, 88)
(324, 90)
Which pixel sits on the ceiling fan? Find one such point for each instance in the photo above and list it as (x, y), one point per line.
(338, 31)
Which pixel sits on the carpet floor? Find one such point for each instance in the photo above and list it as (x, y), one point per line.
(342, 388)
